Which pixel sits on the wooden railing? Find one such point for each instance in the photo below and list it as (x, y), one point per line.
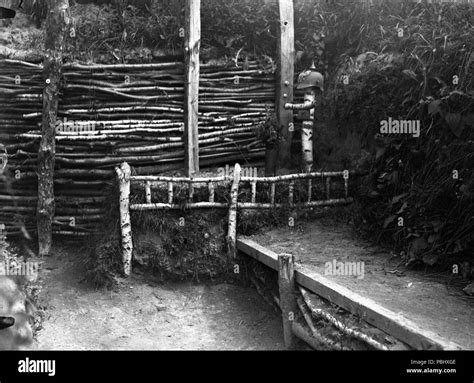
(234, 182)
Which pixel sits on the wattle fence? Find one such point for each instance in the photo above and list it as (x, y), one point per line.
(109, 114)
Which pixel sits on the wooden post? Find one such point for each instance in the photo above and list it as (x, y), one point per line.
(191, 52)
(123, 174)
(310, 189)
(307, 131)
(284, 87)
(272, 193)
(254, 191)
(148, 192)
(288, 304)
(328, 188)
(56, 27)
(170, 193)
(232, 229)
(211, 192)
(291, 190)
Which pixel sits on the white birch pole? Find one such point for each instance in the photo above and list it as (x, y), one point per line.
(123, 174)
(232, 230)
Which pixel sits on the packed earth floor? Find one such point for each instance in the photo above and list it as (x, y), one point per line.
(144, 314)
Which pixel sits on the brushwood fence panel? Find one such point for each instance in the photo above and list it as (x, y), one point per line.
(109, 114)
(21, 90)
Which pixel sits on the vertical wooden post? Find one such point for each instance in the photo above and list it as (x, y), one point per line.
(124, 174)
(346, 186)
(170, 193)
(328, 188)
(254, 191)
(56, 27)
(232, 229)
(288, 304)
(291, 193)
(272, 193)
(191, 52)
(3, 240)
(310, 189)
(284, 88)
(307, 132)
(211, 192)
(148, 192)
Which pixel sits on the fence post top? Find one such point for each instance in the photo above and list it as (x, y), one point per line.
(124, 171)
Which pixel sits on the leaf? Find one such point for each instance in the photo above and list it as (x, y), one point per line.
(393, 177)
(410, 73)
(465, 190)
(469, 289)
(398, 198)
(379, 152)
(404, 206)
(468, 120)
(434, 107)
(417, 246)
(437, 225)
(454, 122)
(389, 220)
(430, 259)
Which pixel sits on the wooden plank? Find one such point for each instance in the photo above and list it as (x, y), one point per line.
(56, 27)
(192, 46)
(260, 253)
(365, 308)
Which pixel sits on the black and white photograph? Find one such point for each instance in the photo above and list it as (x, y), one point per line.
(237, 175)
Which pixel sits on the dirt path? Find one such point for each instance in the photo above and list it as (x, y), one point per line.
(416, 296)
(145, 315)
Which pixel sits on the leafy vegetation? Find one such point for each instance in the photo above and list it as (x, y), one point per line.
(419, 192)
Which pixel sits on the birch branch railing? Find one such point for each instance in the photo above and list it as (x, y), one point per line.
(234, 182)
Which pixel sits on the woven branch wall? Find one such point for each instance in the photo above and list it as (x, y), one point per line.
(110, 114)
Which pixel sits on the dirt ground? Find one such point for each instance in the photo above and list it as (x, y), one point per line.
(142, 314)
(430, 300)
